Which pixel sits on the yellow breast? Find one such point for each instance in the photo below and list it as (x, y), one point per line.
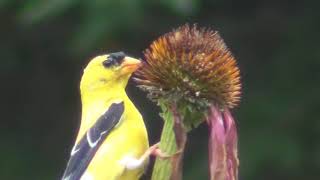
(128, 138)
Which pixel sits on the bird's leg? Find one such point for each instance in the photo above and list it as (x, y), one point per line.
(156, 151)
(132, 163)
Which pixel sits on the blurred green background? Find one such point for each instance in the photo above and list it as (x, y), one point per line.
(44, 45)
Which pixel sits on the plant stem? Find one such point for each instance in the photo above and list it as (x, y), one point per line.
(181, 139)
(162, 167)
(173, 140)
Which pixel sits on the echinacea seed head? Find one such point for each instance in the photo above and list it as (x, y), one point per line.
(192, 66)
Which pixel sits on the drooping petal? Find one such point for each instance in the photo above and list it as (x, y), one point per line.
(223, 145)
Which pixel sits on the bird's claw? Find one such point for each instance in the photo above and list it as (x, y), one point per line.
(157, 152)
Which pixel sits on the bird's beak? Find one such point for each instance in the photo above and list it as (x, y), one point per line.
(129, 65)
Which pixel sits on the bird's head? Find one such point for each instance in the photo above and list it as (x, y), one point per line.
(110, 71)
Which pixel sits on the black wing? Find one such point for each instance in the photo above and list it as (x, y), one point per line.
(83, 152)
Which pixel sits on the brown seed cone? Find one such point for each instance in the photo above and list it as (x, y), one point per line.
(191, 64)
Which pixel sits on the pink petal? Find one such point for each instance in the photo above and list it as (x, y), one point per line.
(223, 156)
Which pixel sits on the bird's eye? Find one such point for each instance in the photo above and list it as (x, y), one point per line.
(108, 63)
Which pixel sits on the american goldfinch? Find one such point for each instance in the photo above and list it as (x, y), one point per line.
(112, 143)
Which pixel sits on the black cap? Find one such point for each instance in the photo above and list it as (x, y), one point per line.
(114, 59)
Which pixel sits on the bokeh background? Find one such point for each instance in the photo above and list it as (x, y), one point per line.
(45, 44)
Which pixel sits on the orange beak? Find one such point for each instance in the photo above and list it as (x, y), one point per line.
(129, 65)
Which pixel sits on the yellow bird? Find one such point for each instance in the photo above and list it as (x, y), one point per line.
(112, 143)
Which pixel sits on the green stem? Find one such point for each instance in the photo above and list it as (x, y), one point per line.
(162, 167)
(173, 140)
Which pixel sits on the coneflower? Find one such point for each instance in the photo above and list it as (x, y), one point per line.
(194, 78)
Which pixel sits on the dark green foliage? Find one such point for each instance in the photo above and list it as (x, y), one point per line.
(45, 45)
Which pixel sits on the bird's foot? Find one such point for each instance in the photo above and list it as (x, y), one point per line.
(157, 152)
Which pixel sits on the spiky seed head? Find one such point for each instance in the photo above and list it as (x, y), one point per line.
(191, 65)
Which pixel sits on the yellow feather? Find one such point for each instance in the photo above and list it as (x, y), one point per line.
(100, 87)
